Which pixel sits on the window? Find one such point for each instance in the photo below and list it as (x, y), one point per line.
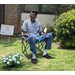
(29, 7)
(41, 8)
(49, 8)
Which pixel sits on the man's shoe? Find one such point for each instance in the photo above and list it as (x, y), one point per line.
(47, 56)
(34, 61)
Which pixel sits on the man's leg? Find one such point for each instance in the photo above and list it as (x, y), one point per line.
(48, 41)
(32, 41)
(48, 38)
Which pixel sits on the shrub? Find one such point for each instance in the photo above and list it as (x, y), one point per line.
(65, 29)
(12, 59)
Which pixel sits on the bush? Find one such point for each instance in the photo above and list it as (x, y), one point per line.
(12, 59)
(65, 29)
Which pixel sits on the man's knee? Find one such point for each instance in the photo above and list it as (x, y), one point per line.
(49, 34)
(32, 37)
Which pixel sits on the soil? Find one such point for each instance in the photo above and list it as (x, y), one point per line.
(60, 45)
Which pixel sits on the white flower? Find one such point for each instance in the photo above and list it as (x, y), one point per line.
(8, 62)
(9, 56)
(9, 59)
(18, 62)
(20, 58)
(15, 59)
(4, 61)
(15, 55)
(6, 58)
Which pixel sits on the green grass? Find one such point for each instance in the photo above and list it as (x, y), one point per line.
(62, 59)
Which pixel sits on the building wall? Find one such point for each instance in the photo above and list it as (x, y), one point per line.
(43, 18)
(13, 16)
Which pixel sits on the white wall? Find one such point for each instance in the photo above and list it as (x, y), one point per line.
(43, 18)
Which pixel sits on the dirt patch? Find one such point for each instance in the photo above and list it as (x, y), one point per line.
(2, 54)
(2, 37)
(60, 45)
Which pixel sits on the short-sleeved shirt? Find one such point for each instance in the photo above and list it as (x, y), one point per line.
(32, 28)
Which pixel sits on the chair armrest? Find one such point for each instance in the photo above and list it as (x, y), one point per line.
(23, 37)
(51, 32)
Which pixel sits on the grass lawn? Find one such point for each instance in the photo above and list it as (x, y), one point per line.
(62, 59)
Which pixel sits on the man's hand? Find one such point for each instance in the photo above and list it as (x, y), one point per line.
(42, 33)
(37, 39)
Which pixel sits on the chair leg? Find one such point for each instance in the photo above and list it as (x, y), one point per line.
(41, 46)
(24, 48)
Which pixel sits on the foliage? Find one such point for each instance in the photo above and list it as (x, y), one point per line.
(12, 59)
(65, 29)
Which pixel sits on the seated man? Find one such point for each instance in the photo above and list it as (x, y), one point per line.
(31, 29)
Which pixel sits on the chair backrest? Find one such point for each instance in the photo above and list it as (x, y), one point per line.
(23, 37)
(22, 22)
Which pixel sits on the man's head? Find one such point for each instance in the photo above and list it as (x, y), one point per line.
(33, 15)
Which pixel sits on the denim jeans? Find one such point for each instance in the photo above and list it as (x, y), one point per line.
(32, 42)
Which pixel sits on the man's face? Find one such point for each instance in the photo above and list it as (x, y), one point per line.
(33, 16)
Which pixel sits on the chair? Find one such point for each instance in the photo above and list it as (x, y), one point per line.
(26, 46)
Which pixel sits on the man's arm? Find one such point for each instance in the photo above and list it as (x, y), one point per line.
(25, 34)
(24, 29)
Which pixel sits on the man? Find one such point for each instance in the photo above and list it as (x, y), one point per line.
(31, 29)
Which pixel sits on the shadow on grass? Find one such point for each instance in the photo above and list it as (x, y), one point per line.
(25, 63)
(39, 55)
(16, 68)
(71, 49)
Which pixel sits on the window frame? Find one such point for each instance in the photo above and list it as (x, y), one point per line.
(39, 10)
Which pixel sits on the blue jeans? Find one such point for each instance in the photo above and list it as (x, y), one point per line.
(32, 41)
